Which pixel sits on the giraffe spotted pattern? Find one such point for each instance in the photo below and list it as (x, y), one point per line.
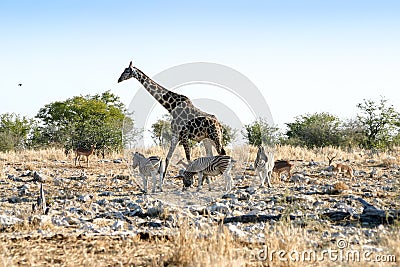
(188, 122)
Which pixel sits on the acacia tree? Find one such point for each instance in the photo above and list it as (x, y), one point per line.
(315, 130)
(161, 130)
(82, 121)
(14, 131)
(261, 132)
(379, 122)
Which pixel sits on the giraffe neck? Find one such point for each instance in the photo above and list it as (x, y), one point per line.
(165, 97)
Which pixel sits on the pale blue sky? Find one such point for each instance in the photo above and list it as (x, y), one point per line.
(305, 56)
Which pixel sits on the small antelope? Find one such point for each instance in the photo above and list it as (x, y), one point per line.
(84, 152)
(343, 168)
(330, 160)
(282, 166)
(340, 167)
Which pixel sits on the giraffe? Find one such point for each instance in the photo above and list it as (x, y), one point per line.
(188, 122)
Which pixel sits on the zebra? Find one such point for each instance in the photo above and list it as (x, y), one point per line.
(208, 166)
(264, 165)
(149, 167)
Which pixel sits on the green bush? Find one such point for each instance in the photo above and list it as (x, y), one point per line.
(260, 132)
(14, 131)
(81, 121)
(380, 123)
(315, 130)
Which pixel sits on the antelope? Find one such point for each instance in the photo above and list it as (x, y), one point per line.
(84, 152)
(330, 160)
(341, 168)
(282, 166)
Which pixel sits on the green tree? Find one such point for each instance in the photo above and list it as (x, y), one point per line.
(14, 131)
(315, 130)
(260, 132)
(161, 130)
(379, 123)
(82, 121)
(352, 134)
(228, 134)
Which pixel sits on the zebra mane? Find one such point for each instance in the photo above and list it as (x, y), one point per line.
(140, 154)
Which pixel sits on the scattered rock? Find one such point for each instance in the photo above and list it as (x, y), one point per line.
(85, 198)
(6, 221)
(118, 225)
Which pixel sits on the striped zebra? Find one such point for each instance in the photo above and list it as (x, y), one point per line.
(264, 165)
(151, 166)
(205, 167)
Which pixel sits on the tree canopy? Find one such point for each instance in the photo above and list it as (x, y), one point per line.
(14, 131)
(81, 121)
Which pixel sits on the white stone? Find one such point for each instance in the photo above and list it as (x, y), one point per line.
(9, 220)
(118, 225)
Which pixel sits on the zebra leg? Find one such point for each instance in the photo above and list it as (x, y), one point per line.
(154, 176)
(269, 176)
(208, 182)
(199, 186)
(161, 181)
(228, 182)
(144, 179)
(261, 176)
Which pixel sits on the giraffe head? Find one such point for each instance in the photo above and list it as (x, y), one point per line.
(128, 73)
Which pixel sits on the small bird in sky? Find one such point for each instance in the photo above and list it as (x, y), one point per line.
(20, 84)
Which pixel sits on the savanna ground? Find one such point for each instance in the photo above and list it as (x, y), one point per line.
(36, 241)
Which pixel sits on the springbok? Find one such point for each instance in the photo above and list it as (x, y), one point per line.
(343, 168)
(340, 167)
(282, 166)
(84, 152)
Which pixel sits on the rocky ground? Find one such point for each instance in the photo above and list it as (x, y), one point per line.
(312, 209)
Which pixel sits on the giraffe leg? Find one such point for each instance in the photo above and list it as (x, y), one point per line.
(218, 146)
(174, 142)
(208, 146)
(186, 147)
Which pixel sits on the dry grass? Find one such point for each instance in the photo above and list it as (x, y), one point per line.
(215, 245)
